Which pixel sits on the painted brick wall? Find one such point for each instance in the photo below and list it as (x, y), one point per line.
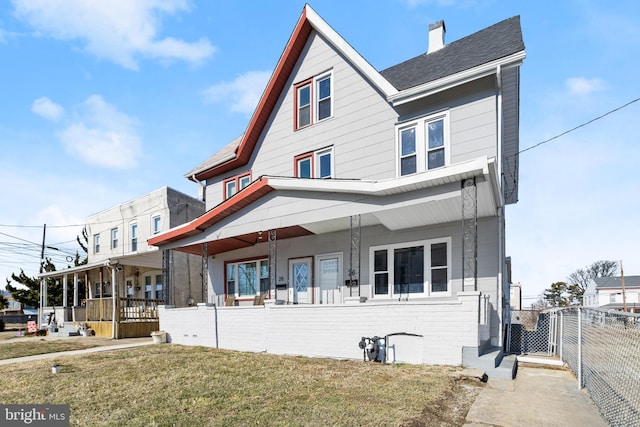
(334, 330)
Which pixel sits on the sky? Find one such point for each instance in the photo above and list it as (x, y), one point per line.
(102, 102)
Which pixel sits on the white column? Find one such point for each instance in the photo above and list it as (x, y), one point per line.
(114, 294)
(64, 291)
(75, 289)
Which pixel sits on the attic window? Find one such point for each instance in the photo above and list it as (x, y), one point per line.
(313, 100)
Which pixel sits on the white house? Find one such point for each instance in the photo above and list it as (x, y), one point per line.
(117, 292)
(361, 202)
(609, 293)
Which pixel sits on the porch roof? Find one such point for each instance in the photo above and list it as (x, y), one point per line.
(152, 259)
(296, 207)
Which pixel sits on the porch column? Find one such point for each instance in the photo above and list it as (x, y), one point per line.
(64, 291)
(114, 308)
(272, 261)
(204, 272)
(354, 255)
(75, 289)
(469, 235)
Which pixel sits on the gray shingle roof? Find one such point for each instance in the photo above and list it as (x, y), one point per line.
(616, 282)
(494, 42)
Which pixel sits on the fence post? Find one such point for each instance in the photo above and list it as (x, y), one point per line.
(561, 333)
(579, 348)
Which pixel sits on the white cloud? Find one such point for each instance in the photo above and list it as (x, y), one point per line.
(117, 30)
(102, 136)
(584, 86)
(243, 93)
(46, 108)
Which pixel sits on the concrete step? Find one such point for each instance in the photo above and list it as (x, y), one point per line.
(507, 370)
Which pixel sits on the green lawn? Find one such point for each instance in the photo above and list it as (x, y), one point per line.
(168, 385)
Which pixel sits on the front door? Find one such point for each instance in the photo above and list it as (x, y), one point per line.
(300, 280)
(328, 277)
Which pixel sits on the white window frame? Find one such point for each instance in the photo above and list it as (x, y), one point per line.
(114, 238)
(314, 159)
(313, 84)
(156, 224)
(236, 291)
(133, 236)
(426, 244)
(421, 135)
(96, 243)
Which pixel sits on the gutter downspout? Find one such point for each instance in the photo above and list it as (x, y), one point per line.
(501, 221)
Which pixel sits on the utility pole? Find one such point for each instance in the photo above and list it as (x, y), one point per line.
(44, 232)
(624, 296)
(43, 288)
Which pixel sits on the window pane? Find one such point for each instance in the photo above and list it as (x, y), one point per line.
(324, 88)
(382, 283)
(325, 165)
(304, 168)
(407, 142)
(156, 224)
(380, 260)
(408, 165)
(264, 276)
(436, 134)
(304, 116)
(324, 109)
(304, 96)
(244, 181)
(408, 270)
(436, 158)
(231, 279)
(439, 280)
(439, 255)
(231, 188)
(247, 278)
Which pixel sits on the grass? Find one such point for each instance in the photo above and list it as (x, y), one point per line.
(32, 345)
(165, 385)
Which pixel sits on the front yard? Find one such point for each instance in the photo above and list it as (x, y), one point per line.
(199, 386)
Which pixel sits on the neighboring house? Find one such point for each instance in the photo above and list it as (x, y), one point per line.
(363, 202)
(515, 296)
(608, 293)
(125, 279)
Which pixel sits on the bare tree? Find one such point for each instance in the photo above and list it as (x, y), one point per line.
(581, 278)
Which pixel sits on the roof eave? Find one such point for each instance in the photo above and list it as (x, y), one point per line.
(430, 88)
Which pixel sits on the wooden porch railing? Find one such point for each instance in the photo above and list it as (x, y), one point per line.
(127, 309)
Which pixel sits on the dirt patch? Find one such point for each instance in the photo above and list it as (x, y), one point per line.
(451, 407)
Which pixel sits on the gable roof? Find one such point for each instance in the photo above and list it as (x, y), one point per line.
(309, 20)
(616, 282)
(495, 42)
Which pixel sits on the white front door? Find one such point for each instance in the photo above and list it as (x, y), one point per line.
(300, 280)
(328, 277)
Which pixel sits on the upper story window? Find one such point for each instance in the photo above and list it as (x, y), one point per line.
(96, 243)
(234, 184)
(417, 269)
(423, 144)
(315, 164)
(155, 224)
(134, 237)
(114, 238)
(313, 100)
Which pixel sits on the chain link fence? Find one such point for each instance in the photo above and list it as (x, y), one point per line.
(601, 347)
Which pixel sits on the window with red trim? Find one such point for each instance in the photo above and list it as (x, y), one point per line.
(315, 164)
(313, 100)
(234, 184)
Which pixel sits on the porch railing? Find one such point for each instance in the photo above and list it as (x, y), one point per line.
(127, 309)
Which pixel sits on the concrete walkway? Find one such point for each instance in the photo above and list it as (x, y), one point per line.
(107, 346)
(537, 397)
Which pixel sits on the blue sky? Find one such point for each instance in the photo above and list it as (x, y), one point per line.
(101, 102)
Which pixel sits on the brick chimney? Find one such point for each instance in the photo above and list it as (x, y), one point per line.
(436, 36)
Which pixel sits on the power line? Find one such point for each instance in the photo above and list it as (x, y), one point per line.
(578, 127)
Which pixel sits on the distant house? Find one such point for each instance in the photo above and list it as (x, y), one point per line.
(363, 202)
(125, 279)
(608, 293)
